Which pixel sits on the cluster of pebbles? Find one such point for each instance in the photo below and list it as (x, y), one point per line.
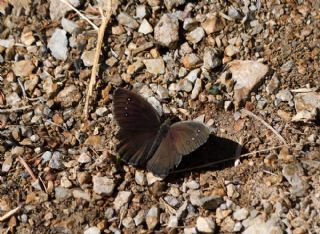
(203, 60)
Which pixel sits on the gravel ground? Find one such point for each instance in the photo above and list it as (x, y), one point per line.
(247, 69)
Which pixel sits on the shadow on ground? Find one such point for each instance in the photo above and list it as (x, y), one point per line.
(216, 153)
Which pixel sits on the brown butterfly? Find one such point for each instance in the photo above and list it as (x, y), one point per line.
(145, 140)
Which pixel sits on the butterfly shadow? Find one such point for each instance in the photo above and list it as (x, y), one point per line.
(216, 153)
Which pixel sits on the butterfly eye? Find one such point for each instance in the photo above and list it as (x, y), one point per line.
(126, 114)
(193, 138)
(198, 130)
(129, 99)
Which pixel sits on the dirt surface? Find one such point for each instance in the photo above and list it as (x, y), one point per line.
(247, 69)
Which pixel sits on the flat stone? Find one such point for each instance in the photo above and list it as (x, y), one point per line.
(58, 9)
(191, 61)
(193, 75)
(294, 173)
(23, 68)
(152, 217)
(140, 217)
(205, 225)
(122, 198)
(13, 99)
(58, 44)
(88, 57)
(195, 35)
(140, 178)
(184, 85)
(166, 32)
(103, 185)
(27, 38)
(62, 194)
(68, 25)
(240, 214)
(141, 11)
(145, 27)
(258, 225)
(155, 66)
(69, 96)
(247, 75)
(306, 105)
(212, 24)
(92, 230)
(77, 193)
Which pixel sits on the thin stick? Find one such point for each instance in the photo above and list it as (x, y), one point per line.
(232, 158)
(265, 124)
(10, 213)
(4, 111)
(105, 20)
(80, 14)
(26, 166)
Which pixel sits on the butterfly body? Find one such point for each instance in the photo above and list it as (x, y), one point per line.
(144, 140)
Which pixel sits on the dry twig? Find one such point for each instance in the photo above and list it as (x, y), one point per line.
(26, 166)
(80, 14)
(10, 213)
(105, 20)
(4, 111)
(265, 124)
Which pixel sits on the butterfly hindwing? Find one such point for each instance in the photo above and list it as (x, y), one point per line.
(181, 139)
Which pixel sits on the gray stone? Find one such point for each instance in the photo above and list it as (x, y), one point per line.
(294, 173)
(46, 156)
(77, 193)
(193, 185)
(273, 85)
(103, 185)
(61, 193)
(58, 44)
(69, 25)
(88, 57)
(126, 20)
(55, 161)
(58, 9)
(166, 32)
(284, 95)
(210, 59)
(193, 75)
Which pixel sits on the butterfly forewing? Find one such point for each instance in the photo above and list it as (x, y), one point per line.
(134, 146)
(182, 138)
(133, 112)
(139, 124)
